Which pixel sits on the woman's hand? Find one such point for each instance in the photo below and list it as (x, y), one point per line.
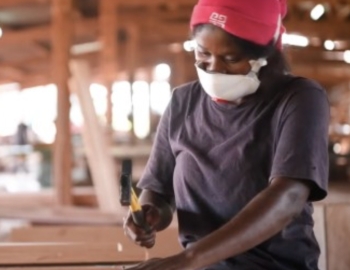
(137, 234)
(177, 262)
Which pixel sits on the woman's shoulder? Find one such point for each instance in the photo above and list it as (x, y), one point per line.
(298, 85)
(187, 89)
(304, 92)
(296, 88)
(186, 95)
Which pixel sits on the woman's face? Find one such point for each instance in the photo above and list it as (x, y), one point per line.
(216, 53)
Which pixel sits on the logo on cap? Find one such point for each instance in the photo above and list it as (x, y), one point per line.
(218, 19)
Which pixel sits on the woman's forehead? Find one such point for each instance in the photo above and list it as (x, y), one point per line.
(214, 38)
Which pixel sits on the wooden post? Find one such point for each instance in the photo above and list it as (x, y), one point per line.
(132, 56)
(61, 43)
(109, 39)
(178, 76)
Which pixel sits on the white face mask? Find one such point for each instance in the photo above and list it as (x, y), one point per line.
(231, 87)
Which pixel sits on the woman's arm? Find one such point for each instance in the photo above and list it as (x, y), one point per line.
(165, 207)
(267, 214)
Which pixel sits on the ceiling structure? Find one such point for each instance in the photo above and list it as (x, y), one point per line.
(161, 27)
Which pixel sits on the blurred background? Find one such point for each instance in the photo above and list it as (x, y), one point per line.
(83, 84)
(137, 51)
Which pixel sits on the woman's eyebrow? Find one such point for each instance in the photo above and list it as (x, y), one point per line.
(229, 52)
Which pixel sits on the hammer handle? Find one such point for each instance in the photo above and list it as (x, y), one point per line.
(137, 213)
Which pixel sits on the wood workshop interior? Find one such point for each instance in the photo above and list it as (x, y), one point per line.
(83, 86)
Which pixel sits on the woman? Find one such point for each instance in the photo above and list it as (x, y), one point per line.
(241, 154)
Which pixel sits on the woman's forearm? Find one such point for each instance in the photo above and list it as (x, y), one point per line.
(165, 207)
(267, 214)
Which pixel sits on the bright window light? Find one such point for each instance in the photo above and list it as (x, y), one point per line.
(9, 87)
(1, 32)
(9, 112)
(122, 106)
(317, 12)
(337, 148)
(46, 132)
(162, 72)
(141, 109)
(347, 57)
(329, 45)
(36, 107)
(346, 129)
(295, 40)
(39, 109)
(75, 114)
(160, 96)
(99, 96)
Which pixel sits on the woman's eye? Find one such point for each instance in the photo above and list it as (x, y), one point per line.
(231, 59)
(206, 54)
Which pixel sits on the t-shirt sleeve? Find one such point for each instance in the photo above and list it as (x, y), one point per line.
(158, 173)
(301, 146)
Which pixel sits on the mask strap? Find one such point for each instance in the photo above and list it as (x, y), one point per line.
(257, 64)
(278, 29)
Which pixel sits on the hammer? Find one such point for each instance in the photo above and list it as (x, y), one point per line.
(129, 198)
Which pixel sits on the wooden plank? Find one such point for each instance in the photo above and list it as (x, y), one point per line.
(64, 215)
(338, 193)
(18, 254)
(103, 170)
(61, 43)
(320, 233)
(338, 235)
(61, 234)
(85, 267)
(10, 3)
(167, 242)
(82, 196)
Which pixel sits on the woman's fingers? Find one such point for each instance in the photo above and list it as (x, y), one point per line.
(137, 234)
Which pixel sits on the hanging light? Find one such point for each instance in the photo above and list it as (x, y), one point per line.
(346, 56)
(329, 45)
(295, 40)
(317, 12)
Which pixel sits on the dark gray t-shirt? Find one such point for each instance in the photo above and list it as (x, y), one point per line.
(214, 158)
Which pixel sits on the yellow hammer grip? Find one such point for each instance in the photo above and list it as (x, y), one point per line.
(135, 205)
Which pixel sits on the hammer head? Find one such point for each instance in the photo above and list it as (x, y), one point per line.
(125, 183)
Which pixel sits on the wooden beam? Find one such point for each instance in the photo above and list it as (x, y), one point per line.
(291, 2)
(108, 37)
(104, 173)
(86, 27)
(61, 43)
(149, 3)
(325, 29)
(11, 73)
(89, 28)
(323, 73)
(338, 233)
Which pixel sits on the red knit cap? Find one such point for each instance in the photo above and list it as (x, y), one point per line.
(253, 20)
